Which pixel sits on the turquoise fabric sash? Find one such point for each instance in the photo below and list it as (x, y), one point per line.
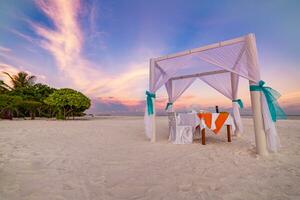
(168, 105)
(150, 102)
(239, 101)
(271, 96)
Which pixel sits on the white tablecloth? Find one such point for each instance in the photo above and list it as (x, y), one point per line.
(193, 120)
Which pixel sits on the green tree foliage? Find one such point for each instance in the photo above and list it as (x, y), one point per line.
(34, 93)
(37, 92)
(41, 91)
(3, 87)
(21, 80)
(30, 107)
(67, 102)
(24, 98)
(9, 105)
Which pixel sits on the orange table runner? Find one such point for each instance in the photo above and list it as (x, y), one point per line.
(207, 117)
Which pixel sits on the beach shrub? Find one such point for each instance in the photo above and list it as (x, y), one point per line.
(4, 88)
(35, 93)
(9, 105)
(68, 102)
(30, 107)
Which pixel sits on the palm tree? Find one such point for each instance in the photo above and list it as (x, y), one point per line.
(22, 79)
(4, 87)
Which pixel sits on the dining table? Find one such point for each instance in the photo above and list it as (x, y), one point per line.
(208, 120)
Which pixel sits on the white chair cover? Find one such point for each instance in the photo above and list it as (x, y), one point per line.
(179, 133)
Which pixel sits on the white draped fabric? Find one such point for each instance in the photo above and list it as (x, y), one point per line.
(227, 84)
(148, 120)
(180, 133)
(273, 141)
(176, 88)
(219, 65)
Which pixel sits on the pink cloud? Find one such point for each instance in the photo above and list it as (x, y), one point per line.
(65, 44)
(4, 49)
(14, 70)
(22, 35)
(9, 69)
(123, 105)
(12, 64)
(290, 102)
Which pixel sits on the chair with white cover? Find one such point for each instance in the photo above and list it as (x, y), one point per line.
(179, 133)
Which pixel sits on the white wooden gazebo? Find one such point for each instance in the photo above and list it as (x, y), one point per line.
(220, 65)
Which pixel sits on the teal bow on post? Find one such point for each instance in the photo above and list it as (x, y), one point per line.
(271, 96)
(149, 102)
(168, 105)
(239, 101)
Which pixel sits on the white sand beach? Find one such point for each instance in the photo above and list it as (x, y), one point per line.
(110, 158)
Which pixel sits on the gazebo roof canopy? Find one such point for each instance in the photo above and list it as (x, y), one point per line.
(216, 60)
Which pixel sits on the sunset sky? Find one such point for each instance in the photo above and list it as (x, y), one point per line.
(103, 47)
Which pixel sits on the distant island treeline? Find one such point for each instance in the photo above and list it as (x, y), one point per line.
(23, 97)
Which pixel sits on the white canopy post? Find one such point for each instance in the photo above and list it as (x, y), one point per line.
(153, 138)
(260, 135)
(152, 80)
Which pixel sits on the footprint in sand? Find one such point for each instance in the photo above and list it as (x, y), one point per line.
(185, 187)
(67, 187)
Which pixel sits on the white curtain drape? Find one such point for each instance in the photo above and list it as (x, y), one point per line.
(148, 121)
(272, 138)
(235, 106)
(175, 88)
(227, 84)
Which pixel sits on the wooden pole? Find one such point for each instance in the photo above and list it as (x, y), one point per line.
(203, 136)
(228, 133)
(260, 136)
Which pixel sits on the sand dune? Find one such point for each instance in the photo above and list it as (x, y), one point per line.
(109, 158)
